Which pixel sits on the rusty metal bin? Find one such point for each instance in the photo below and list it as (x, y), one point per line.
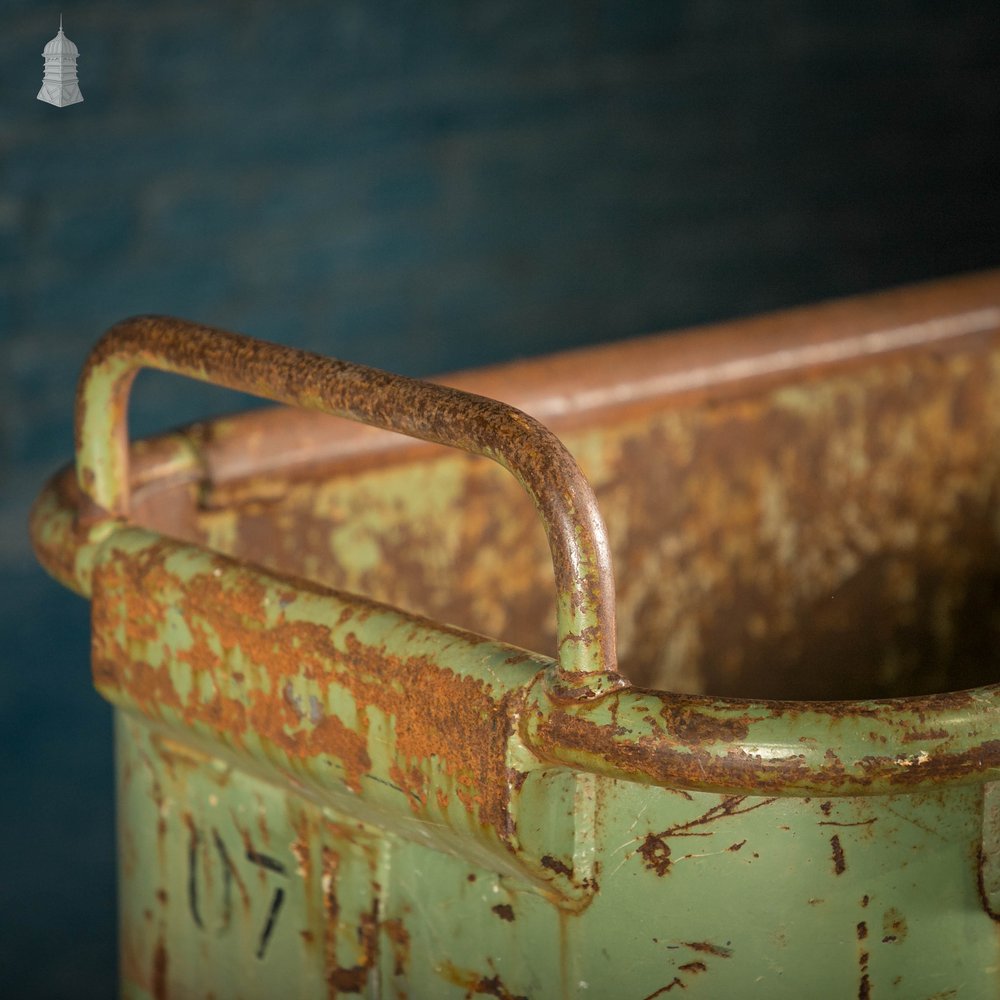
(340, 771)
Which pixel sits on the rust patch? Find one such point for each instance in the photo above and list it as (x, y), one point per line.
(694, 967)
(839, 864)
(861, 932)
(693, 727)
(894, 927)
(666, 989)
(440, 715)
(555, 865)
(303, 855)
(350, 980)
(504, 911)
(413, 782)
(160, 971)
(354, 979)
(400, 938)
(516, 778)
(655, 851)
(476, 984)
(720, 951)
(934, 735)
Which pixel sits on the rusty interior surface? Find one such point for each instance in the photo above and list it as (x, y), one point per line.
(799, 506)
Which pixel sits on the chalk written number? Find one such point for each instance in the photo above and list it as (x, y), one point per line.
(196, 844)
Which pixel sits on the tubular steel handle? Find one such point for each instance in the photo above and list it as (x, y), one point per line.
(533, 454)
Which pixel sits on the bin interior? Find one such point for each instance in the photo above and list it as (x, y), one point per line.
(829, 531)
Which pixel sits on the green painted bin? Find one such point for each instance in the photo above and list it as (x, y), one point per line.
(366, 747)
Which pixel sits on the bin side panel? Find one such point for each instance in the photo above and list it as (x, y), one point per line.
(236, 886)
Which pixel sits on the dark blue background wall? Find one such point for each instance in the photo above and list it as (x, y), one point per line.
(420, 187)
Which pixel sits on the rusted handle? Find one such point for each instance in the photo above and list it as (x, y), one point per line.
(532, 453)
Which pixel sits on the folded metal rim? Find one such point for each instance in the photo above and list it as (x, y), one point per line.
(695, 742)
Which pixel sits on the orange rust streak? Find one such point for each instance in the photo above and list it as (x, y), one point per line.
(400, 938)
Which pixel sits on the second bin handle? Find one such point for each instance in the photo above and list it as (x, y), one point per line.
(532, 453)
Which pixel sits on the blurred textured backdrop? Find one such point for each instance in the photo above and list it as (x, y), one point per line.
(420, 187)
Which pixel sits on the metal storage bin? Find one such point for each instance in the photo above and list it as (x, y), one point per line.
(341, 771)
